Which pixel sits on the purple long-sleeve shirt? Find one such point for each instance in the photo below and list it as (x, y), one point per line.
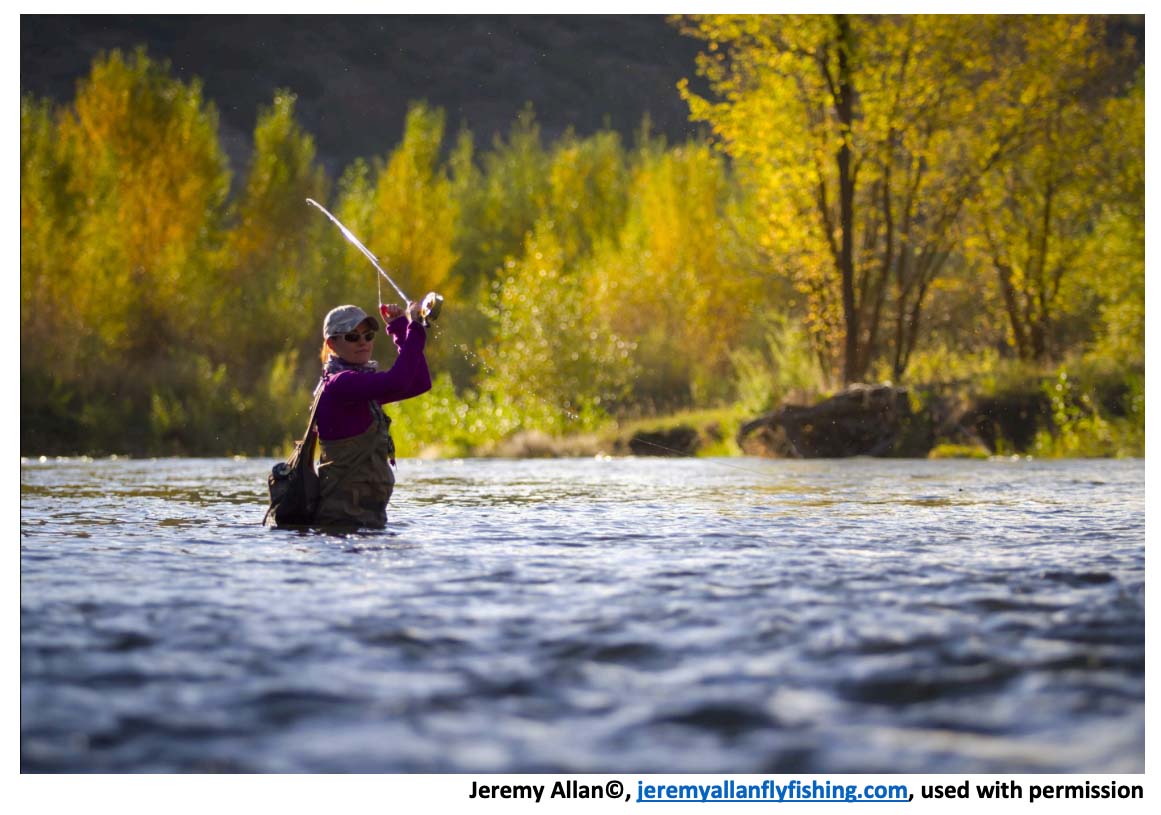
(343, 410)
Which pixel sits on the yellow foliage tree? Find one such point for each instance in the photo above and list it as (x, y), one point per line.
(152, 175)
(863, 137)
(679, 278)
(413, 222)
(1115, 263)
(501, 201)
(1032, 220)
(271, 261)
(48, 221)
(552, 350)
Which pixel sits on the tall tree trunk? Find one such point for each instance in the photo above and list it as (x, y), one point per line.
(845, 104)
(1012, 307)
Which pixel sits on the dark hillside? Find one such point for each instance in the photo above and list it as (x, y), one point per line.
(354, 75)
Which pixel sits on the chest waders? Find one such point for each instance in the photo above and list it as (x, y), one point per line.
(355, 476)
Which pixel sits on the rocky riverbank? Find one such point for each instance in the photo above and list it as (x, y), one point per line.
(861, 420)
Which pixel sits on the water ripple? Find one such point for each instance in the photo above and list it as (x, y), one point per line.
(586, 616)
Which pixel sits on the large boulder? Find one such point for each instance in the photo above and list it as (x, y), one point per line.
(863, 420)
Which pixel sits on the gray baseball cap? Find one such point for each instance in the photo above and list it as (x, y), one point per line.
(345, 318)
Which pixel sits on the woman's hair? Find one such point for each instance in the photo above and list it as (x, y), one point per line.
(325, 354)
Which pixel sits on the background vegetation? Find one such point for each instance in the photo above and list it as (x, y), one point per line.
(938, 201)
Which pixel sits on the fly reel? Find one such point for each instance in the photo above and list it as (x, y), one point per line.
(431, 306)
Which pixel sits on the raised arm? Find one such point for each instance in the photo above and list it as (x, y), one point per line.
(408, 377)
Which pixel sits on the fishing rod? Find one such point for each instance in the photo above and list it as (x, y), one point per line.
(430, 307)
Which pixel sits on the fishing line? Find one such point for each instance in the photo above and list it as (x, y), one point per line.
(366, 252)
(432, 303)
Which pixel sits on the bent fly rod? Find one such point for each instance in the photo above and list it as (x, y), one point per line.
(432, 303)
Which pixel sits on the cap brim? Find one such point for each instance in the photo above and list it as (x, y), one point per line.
(338, 332)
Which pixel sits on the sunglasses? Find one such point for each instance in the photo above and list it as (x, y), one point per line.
(353, 337)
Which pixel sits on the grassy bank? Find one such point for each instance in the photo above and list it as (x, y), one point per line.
(1083, 410)
(1086, 408)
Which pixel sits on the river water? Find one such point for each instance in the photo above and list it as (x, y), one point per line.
(589, 615)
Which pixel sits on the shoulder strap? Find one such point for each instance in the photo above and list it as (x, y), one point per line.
(314, 408)
(310, 435)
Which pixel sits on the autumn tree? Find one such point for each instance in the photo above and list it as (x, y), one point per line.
(413, 220)
(271, 262)
(864, 136)
(122, 197)
(548, 340)
(552, 356)
(148, 165)
(48, 221)
(681, 279)
(1115, 262)
(501, 199)
(348, 274)
(1033, 218)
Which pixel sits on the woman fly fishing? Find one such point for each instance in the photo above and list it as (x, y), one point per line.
(354, 480)
(354, 434)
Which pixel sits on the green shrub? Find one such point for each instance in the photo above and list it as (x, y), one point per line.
(1080, 427)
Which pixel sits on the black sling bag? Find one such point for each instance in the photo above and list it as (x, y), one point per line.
(294, 484)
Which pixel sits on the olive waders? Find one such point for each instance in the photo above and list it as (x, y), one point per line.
(355, 476)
